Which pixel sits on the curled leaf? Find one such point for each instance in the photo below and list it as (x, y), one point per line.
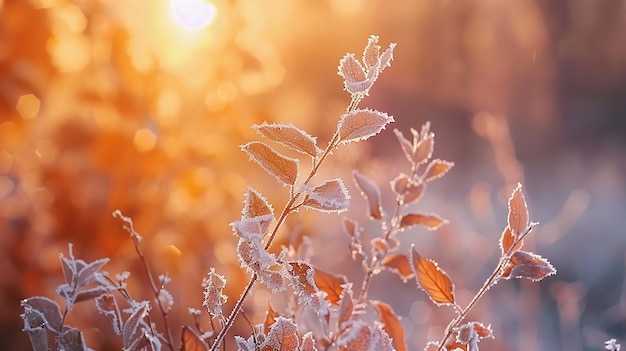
(400, 265)
(430, 221)
(432, 279)
(361, 124)
(436, 169)
(304, 284)
(330, 196)
(371, 193)
(289, 136)
(391, 325)
(283, 168)
(518, 212)
(214, 297)
(528, 265)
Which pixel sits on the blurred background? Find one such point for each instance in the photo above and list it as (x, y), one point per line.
(141, 105)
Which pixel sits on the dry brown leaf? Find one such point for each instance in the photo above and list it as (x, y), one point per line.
(331, 196)
(528, 265)
(289, 136)
(518, 212)
(283, 168)
(436, 169)
(270, 318)
(432, 279)
(346, 306)
(424, 149)
(399, 264)
(361, 124)
(329, 283)
(391, 325)
(371, 193)
(405, 144)
(430, 221)
(506, 241)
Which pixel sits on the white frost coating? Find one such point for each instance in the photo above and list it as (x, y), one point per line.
(331, 196)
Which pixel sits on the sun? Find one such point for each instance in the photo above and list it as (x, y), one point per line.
(193, 14)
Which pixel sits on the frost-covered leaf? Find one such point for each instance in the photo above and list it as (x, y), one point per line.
(424, 149)
(107, 305)
(303, 283)
(283, 336)
(346, 306)
(430, 221)
(528, 265)
(283, 168)
(270, 318)
(386, 58)
(391, 325)
(432, 346)
(34, 325)
(166, 300)
(71, 340)
(248, 229)
(357, 338)
(612, 345)
(214, 297)
(255, 258)
(257, 206)
(50, 311)
(506, 241)
(331, 284)
(361, 124)
(400, 265)
(191, 341)
(289, 136)
(90, 294)
(139, 311)
(330, 196)
(405, 144)
(436, 169)
(351, 227)
(308, 342)
(518, 212)
(371, 193)
(432, 279)
(244, 345)
(371, 52)
(355, 80)
(88, 273)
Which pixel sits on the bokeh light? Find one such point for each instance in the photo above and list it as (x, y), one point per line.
(193, 14)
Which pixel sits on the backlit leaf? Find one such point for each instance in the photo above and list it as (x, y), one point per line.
(369, 190)
(424, 149)
(107, 305)
(308, 342)
(436, 169)
(214, 297)
(191, 341)
(283, 168)
(506, 241)
(351, 227)
(361, 124)
(432, 279)
(391, 325)
(304, 284)
(346, 306)
(518, 212)
(405, 144)
(289, 136)
(351, 69)
(430, 221)
(283, 336)
(357, 338)
(331, 196)
(529, 265)
(400, 265)
(270, 317)
(330, 283)
(255, 205)
(371, 53)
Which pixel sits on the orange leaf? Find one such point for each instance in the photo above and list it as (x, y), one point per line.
(430, 221)
(424, 149)
(346, 306)
(283, 168)
(436, 169)
(432, 279)
(371, 52)
(329, 283)
(330, 196)
(528, 265)
(518, 212)
(270, 318)
(392, 325)
(506, 241)
(400, 265)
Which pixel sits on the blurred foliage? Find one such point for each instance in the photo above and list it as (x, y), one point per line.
(114, 104)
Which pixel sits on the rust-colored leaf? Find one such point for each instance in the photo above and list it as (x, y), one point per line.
(371, 52)
(346, 306)
(405, 144)
(400, 265)
(518, 212)
(361, 124)
(283, 168)
(329, 283)
(430, 221)
(391, 325)
(371, 193)
(308, 342)
(270, 318)
(432, 279)
(351, 227)
(283, 336)
(350, 69)
(528, 265)
(424, 149)
(304, 284)
(357, 338)
(256, 206)
(331, 196)
(436, 169)
(289, 136)
(506, 241)
(191, 341)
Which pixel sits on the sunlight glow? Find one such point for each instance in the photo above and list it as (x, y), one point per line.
(193, 14)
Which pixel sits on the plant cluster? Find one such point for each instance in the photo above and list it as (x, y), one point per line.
(337, 308)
